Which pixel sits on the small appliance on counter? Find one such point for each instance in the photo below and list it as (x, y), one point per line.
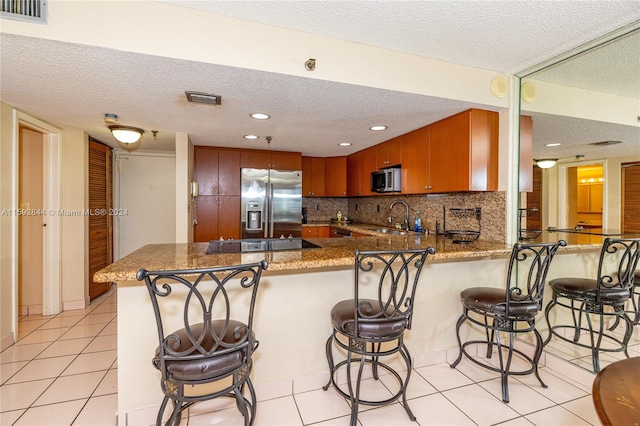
(305, 218)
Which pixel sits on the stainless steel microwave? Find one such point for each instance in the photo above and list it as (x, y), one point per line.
(386, 180)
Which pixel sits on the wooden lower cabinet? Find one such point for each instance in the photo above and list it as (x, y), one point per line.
(316, 231)
(217, 217)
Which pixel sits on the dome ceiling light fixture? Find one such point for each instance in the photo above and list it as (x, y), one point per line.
(126, 134)
(547, 163)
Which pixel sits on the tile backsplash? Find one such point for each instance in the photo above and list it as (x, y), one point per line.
(375, 210)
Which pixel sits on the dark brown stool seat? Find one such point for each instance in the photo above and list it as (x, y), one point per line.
(597, 300)
(369, 330)
(511, 310)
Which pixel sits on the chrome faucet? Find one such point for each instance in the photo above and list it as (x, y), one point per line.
(406, 213)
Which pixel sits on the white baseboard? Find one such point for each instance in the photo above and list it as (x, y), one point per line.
(7, 341)
(73, 305)
(29, 310)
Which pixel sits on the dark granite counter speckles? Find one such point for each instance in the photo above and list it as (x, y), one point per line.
(333, 252)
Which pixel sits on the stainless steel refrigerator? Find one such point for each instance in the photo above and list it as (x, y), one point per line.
(271, 203)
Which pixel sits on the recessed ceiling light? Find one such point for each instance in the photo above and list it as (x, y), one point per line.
(377, 128)
(260, 116)
(345, 144)
(553, 144)
(251, 137)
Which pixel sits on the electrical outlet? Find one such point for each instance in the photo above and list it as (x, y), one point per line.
(317, 207)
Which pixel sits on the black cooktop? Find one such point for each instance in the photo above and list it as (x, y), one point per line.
(258, 244)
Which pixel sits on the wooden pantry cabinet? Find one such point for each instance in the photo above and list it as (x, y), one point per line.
(217, 207)
(313, 177)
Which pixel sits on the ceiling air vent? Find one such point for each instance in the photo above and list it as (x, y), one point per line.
(605, 143)
(203, 98)
(25, 10)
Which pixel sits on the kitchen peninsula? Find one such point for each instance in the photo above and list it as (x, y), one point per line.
(294, 300)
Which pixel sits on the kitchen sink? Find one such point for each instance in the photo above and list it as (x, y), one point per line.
(390, 231)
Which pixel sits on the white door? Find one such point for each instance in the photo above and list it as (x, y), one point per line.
(145, 201)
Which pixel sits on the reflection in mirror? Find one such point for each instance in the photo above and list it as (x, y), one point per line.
(586, 116)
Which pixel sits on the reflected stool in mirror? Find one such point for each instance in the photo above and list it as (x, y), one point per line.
(204, 319)
(635, 300)
(370, 327)
(599, 301)
(510, 310)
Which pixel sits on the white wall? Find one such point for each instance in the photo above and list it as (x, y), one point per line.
(72, 247)
(7, 228)
(74, 252)
(184, 201)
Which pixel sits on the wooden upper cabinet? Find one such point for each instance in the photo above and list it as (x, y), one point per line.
(526, 154)
(205, 169)
(389, 153)
(368, 165)
(335, 177)
(216, 170)
(415, 163)
(353, 174)
(286, 161)
(229, 172)
(313, 174)
(271, 160)
(463, 152)
(359, 168)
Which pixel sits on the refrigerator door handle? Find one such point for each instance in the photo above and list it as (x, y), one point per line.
(271, 213)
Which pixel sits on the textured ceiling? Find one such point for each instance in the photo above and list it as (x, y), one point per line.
(505, 35)
(73, 85)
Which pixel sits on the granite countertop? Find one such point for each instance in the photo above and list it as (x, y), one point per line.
(333, 252)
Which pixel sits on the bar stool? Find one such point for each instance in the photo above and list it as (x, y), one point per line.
(201, 349)
(604, 297)
(511, 310)
(369, 329)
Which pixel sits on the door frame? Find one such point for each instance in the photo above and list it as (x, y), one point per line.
(562, 190)
(52, 278)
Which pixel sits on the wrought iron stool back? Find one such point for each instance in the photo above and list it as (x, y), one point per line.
(202, 338)
(510, 310)
(603, 297)
(370, 328)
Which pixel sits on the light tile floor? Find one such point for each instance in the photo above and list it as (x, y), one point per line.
(63, 371)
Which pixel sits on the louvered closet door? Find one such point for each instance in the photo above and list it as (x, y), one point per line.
(631, 197)
(100, 221)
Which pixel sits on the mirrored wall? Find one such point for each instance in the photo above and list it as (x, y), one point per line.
(585, 110)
